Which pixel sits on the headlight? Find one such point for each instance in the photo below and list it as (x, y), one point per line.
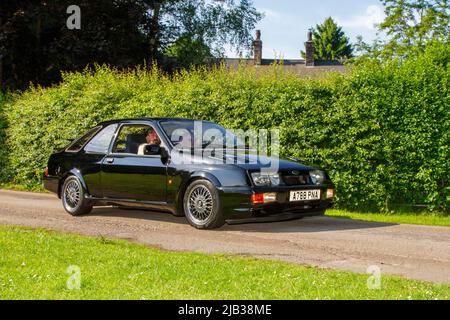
(266, 179)
(317, 176)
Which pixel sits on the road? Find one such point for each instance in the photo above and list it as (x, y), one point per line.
(415, 252)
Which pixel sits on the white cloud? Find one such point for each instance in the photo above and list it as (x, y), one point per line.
(373, 15)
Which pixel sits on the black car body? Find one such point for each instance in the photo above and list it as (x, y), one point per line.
(104, 167)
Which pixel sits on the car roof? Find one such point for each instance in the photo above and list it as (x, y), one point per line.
(148, 119)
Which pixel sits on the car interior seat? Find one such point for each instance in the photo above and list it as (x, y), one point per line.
(134, 140)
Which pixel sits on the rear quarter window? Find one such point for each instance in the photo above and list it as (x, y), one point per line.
(79, 143)
(100, 143)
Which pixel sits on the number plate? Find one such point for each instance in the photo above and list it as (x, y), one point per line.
(304, 195)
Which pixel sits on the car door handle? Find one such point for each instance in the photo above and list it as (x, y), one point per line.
(109, 160)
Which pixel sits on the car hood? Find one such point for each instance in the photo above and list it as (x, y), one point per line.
(255, 162)
(241, 160)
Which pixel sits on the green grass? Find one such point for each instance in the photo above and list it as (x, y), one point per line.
(33, 265)
(23, 187)
(431, 219)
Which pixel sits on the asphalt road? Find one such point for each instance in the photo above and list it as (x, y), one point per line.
(416, 252)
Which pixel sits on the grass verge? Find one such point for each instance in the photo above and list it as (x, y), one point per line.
(21, 187)
(431, 219)
(34, 265)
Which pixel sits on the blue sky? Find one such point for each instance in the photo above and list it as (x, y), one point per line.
(286, 22)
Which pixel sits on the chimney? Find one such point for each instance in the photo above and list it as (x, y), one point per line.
(309, 51)
(257, 48)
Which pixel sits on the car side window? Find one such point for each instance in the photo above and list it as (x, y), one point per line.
(100, 143)
(80, 142)
(131, 139)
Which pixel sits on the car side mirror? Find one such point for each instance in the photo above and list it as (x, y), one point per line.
(152, 150)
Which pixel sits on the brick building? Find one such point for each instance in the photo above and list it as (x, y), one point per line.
(303, 67)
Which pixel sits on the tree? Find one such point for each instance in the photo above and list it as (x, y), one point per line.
(367, 50)
(214, 23)
(189, 51)
(36, 45)
(414, 23)
(330, 42)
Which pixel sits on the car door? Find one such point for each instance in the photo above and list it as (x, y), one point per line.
(127, 175)
(90, 158)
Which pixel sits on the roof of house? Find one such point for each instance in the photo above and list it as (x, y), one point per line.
(297, 66)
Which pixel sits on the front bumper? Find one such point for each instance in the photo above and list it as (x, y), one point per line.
(237, 206)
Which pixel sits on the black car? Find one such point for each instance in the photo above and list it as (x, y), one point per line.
(161, 164)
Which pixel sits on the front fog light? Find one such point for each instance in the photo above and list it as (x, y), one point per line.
(330, 193)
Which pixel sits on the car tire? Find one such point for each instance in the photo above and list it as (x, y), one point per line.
(73, 197)
(202, 207)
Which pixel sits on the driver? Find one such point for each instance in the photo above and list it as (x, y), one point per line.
(152, 139)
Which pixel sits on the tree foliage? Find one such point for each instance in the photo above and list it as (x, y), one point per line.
(410, 25)
(189, 51)
(36, 45)
(214, 23)
(413, 23)
(330, 42)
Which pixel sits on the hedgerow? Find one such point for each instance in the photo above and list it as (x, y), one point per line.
(381, 129)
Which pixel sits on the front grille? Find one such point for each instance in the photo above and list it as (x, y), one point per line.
(297, 179)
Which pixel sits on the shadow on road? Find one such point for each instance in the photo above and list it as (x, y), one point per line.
(306, 225)
(137, 214)
(309, 225)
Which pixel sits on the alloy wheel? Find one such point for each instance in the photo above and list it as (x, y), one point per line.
(200, 204)
(72, 195)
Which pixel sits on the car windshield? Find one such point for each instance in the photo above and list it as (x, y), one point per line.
(199, 134)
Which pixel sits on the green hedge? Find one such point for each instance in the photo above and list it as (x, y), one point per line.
(4, 167)
(382, 129)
